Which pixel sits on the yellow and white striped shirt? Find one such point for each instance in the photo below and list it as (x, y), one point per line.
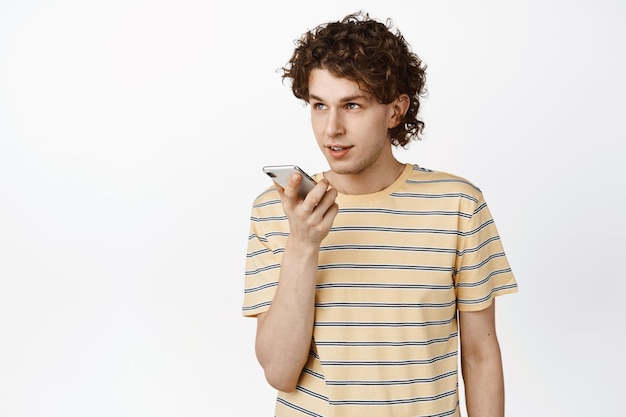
(393, 271)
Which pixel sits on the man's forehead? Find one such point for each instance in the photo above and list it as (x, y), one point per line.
(323, 85)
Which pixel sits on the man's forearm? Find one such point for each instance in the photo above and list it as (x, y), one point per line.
(484, 386)
(284, 332)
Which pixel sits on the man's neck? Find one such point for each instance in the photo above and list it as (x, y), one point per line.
(366, 182)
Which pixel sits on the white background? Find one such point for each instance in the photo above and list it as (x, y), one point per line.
(132, 135)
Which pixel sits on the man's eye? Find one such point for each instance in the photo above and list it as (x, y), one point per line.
(318, 106)
(352, 106)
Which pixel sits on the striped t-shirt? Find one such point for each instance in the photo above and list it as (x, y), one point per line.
(394, 269)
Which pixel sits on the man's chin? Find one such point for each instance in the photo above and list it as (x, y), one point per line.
(341, 169)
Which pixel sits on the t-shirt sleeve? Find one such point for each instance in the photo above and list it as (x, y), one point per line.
(262, 260)
(482, 270)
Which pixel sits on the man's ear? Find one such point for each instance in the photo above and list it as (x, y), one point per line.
(400, 106)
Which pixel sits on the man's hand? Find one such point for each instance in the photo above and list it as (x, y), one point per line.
(310, 219)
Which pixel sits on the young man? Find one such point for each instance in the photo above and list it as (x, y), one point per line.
(364, 290)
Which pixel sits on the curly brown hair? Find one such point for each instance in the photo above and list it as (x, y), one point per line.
(370, 53)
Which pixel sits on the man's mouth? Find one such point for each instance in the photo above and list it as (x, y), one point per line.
(338, 151)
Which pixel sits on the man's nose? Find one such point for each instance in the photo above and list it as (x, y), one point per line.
(334, 124)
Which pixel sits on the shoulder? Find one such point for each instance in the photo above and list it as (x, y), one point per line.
(267, 203)
(424, 180)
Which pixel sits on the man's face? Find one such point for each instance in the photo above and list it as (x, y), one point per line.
(350, 125)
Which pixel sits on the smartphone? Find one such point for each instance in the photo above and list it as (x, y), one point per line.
(281, 174)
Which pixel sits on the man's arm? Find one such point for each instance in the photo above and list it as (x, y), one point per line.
(284, 332)
(481, 363)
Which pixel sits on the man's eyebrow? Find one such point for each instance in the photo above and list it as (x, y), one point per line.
(343, 99)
